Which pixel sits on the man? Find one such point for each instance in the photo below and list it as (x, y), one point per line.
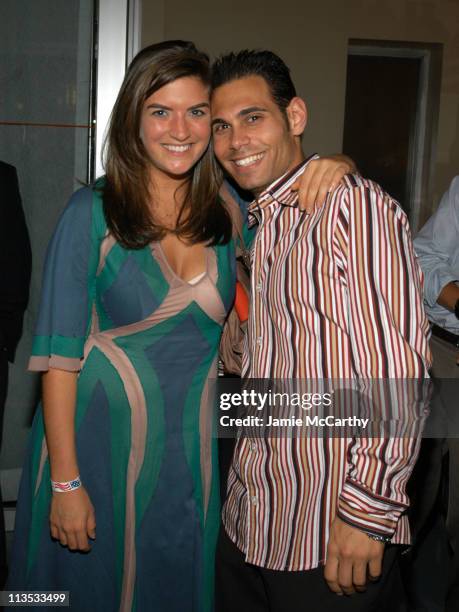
(437, 247)
(15, 267)
(335, 294)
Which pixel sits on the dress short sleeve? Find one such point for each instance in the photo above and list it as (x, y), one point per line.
(68, 288)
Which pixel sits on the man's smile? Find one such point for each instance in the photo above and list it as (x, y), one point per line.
(250, 160)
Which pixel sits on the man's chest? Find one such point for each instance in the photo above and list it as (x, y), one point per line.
(295, 258)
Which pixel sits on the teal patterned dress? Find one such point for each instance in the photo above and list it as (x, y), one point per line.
(146, 344)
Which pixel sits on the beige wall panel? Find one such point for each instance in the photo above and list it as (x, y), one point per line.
(312, 38)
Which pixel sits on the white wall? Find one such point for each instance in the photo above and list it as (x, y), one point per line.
(312, 38)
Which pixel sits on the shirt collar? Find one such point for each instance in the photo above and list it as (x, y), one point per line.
(279, 191)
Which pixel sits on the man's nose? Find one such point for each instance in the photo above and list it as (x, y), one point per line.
(239, 138)
(179, 128)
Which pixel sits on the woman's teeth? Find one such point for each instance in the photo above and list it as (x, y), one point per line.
(177, 148)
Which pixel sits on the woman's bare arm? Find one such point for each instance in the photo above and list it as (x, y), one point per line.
(72, 517)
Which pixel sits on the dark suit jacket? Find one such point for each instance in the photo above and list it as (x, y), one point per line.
(15, 261)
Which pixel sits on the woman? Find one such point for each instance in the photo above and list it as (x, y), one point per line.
(138, 282)
(139, 278)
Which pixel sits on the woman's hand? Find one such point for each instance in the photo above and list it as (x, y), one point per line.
(72, 519)
(320, 178)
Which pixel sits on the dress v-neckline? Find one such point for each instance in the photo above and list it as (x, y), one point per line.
(203, 274)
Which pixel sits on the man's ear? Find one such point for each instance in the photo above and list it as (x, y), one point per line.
(297, 115)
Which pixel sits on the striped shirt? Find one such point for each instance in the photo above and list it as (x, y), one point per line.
(335, 294)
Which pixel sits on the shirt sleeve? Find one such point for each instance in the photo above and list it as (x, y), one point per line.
(437, 241)
(68, 289)
(389, 338)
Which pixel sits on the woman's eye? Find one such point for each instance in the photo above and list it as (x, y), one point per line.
(159, 113)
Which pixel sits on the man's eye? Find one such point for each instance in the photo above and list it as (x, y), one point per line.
(220, 127)
(197, 112)
(253, 118)
(159, 113)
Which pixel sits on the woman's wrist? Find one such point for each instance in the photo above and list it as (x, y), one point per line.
(66, 485)
(63, 467)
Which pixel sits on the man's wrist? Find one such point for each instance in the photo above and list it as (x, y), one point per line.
(379, 538)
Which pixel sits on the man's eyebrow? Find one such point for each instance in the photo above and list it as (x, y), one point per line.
(251, 109)
(242, 113)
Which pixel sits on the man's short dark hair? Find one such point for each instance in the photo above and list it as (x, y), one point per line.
(265, 64)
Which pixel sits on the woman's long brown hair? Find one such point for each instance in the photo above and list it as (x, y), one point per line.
(126, 195)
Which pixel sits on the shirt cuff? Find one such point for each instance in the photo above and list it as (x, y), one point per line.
(363, 509)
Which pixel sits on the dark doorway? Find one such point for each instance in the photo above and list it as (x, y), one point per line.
(386, 125)
(379, 127)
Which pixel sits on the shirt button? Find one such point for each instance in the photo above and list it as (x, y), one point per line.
(253, 446)
(254, 500)
(259, 340)
(259, 286)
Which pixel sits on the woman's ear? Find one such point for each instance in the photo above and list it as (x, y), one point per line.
(297, 115)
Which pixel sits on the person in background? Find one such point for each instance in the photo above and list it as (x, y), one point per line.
(437, 248)
(15, 268)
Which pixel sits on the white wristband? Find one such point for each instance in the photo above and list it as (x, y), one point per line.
(64, 487)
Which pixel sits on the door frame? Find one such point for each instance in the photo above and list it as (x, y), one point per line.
(117, 40)
(421, 165)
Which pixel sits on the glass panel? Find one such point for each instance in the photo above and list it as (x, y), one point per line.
(46, 57)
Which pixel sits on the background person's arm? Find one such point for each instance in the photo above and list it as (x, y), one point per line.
(435, 245)
(15, 261)
(449, 295)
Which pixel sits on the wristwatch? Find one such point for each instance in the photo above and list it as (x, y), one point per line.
(379, 538)
(456, 309)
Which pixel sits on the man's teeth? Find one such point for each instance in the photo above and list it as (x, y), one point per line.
(248, 160)
(178, 148)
